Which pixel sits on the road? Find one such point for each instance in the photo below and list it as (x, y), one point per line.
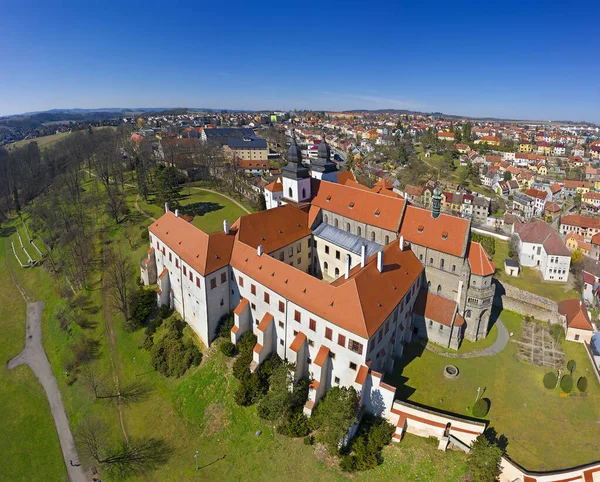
(35, 357)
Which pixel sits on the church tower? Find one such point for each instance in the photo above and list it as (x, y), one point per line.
(436, 202)
(323, 167)
(296, 178)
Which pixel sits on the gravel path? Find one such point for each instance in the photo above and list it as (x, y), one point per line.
(494, 349)
(35, 357)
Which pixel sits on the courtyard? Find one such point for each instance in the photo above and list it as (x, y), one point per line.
(545, 430)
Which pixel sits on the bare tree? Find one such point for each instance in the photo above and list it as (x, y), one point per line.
(118, 271)
(132, 392)
(122, 460)
(115, 203)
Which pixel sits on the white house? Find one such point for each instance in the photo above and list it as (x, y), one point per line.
(541, 247)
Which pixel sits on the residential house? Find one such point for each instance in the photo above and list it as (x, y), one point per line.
(445, 136)
(584, 225)
(413, 193)
(540, 198)
(551, 210)
(579, 326)
(576, 241)
(490, 140)
(525, 147)
(559, 150)
(578, 151)
(555, 191)
(592, 198)
(525, 205)
(576, 187)
(541, 247)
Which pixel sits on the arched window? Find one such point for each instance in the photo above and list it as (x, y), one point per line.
(442, 263)
(373, 236)
(421, 257)
(468, 314)
(429, 285)
(348, 227)
(326, 219)
(337, 272)
(290, 193)
(430, 260)
(439, 290)
(335, 222)
(303, 193)
(358, 231)
(387, 239)
(325, 265)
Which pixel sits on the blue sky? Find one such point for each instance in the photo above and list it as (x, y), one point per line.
(522, 59)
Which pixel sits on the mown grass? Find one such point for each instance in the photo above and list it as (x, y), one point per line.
(545, 431)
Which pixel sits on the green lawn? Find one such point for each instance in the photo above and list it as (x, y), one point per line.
(209, 209)
(29, 443)
(467, 346)
(47, 141)
(531, 279)
(545, 431)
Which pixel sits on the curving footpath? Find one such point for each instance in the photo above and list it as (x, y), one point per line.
(494, 349)
(238, 204)
(35, 357)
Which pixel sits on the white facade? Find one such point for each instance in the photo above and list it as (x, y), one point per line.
(553, 267)
(297, 190)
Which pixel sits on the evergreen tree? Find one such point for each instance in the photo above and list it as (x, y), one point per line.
(484, 460)
(466, 132)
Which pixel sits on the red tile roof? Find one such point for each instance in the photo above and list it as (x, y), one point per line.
(265, 322)
(322, 356)
(447, 234)
(298, 341)
(576, 314)
(480, 262)
(435, 307)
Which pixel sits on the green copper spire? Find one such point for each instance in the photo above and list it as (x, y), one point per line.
(436, 204)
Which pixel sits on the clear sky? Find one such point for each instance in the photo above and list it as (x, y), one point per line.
(517, 59)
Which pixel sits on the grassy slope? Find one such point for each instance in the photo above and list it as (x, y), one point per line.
(47, 141)
(545, 431)
(29, 443)
(197, 412)
(530, 279)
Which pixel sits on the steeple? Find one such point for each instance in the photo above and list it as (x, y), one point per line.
(323, 163)
(436, 202)
(294, 168)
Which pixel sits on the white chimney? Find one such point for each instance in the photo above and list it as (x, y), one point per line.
(363, 256)
(401, 243)
(176, 213)
(166, 207)
(226, 226)
(347, 266)
(259, 250)
(380, 260)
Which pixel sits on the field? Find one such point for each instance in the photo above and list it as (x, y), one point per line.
(545, 431)
(47, 141)
(531, 279)
(195, 412)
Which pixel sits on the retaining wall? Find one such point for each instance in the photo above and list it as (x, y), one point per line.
(526, 303)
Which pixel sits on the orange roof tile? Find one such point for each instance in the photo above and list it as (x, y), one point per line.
(265, 322)
(447, 234)
(361, 376)
(274, 187)
(364, 206)
(258, 348)
(298, 341)
(435, 307)
(480, 262)
(576, 314)
(241, 306)
(322, 356)
(203, 252)
(344, 176)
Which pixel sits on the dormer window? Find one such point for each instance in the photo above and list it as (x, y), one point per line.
(445, 235)
(420, 228)
(377, 213)
(328, 198)
(351, 205)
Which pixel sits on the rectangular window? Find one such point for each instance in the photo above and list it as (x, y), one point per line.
(355, 346)
(328, 333)
(223, 277)
(387, 326)
(352, 366)
(311, 343)
(297, 316)
(290, 251)
(177, 262)
(253, 289)
(241, 282)
(213, 283)
(337, 254)
(337, 380)
(312, 324)
(280, 324)
(341, 340)
(380, 336)
(372, 345)
(191, 276)
(253, 306)
(198, 281)
(298, 247)
(326, 249)
(184, 271)
(281, 256)
(170, 258)
(299, 261)
(308, 243)
(281, 307)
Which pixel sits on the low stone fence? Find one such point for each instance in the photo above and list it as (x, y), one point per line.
(511, 472)
(526, 303)
(492, 234)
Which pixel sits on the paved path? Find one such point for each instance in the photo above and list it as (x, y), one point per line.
(35, 357)
(494, 349)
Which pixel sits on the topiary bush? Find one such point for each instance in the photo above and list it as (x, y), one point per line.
(481, 407)
(571, 365)
(566, 383)
(582, 384)
(550, 380)
(227, 348)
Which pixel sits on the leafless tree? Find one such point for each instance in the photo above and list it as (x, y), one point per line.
(115, 203)
(118, 272)
(132, 392)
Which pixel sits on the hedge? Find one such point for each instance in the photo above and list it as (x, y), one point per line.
(481, 407)
(571, 365)
(227, 348)
(550, 380)
(582, 384)
(566, 384)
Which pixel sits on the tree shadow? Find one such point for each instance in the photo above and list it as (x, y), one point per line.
(491, 434)
(201, 208)
(6, 231)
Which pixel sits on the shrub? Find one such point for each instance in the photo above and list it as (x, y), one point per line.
(224, 327)
(142, 303)
(582, 384)
(296, 425)
(550, 380)
(566, 383)
(558, 333)
(247, 342)
(145, 235)
(227, 348)
(172, 355)
(374, 434)
(571, 365)
(241, 366)
(487, 242)
(481, 407)
(310, 440)
(249, 391)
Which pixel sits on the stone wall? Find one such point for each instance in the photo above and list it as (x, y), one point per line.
(526, 303)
